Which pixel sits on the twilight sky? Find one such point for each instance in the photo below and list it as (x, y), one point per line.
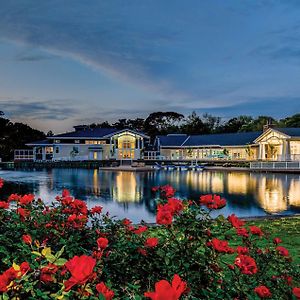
(64, 62)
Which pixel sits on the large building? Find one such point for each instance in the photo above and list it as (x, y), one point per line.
(85, 143)
(275, 144)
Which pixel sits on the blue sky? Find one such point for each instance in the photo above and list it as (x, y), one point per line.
(64, 62)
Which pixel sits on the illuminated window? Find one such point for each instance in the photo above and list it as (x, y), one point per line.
(94, 142)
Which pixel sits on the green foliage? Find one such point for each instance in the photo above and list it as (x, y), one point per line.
(65, 229)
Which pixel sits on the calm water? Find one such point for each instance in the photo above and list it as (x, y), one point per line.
(128, 194)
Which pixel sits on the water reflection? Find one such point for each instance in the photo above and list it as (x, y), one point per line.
(128, 194)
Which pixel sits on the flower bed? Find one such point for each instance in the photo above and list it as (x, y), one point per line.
(67, 251)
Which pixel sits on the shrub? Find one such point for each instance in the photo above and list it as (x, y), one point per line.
(67, 251)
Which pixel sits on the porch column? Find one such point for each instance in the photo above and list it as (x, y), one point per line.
(282, 157)
(110, 148)
(43, 153)
(34, 153)
(288, 150)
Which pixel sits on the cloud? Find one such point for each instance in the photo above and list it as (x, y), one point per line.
(32, 57)
(271, 106)
(59, 109)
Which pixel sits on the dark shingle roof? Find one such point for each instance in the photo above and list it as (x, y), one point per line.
(172, 139)
(43, 142)
(289, 131)
(87, 133)
(224, 139)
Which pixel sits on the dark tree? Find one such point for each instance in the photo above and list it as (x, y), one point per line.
(162, 123)
(194, 125)
(15, 136)
(293, 121)
(236, 124)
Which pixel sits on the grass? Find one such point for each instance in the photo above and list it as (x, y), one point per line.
(287, 229)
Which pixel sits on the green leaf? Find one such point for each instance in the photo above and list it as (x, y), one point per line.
(60, 262)
(36, 253)
(60, 252)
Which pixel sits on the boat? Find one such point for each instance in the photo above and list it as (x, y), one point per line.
(183, 168)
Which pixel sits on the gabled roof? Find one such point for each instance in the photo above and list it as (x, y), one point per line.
(129, 130)
(224, 139)
(289, 131)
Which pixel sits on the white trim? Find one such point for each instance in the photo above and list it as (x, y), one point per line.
(268, 131)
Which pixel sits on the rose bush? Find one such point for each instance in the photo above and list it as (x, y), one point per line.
(67, 251)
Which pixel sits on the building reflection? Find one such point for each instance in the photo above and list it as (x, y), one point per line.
(245, 192)
(294, 192)
(272, 194)
(126, 188)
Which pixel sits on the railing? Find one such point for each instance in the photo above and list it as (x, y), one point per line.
(293, 157)
(23, 154)
(278, 165)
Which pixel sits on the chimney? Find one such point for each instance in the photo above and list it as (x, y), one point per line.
(268, 125)
(80, 127)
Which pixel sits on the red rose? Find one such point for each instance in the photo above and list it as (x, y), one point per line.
(105, 291)
(212, 201)
(166, 291)
(242, 250)
(26, 199)
(140, 230)
(262, 291)
(102, 242)
(256, 230)
(246, 264)
(4, 204)
(242, 232)
(96, 210)
(81, 269)
(126, 222)
(65, 193)
(167, 191)
(175, 205)
(221, 246)
(277, 241)
(164, 215)
(151, 242)
(14, 197)
(296, 292)
(23, 212)
(282, 251)
(1, 182)
(27, 239)
(47, 273)
(235, 221)
(24, 267)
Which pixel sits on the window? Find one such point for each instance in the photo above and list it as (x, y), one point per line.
(91, 142)
(77, 141)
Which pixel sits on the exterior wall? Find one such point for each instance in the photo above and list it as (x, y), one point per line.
(214, 153)
(295, 150)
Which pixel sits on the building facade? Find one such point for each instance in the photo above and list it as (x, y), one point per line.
(91, 144)
(273, 144)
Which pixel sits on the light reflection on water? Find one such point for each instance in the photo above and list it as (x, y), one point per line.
(128, 194)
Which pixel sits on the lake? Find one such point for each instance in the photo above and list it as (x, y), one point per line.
(128, 194)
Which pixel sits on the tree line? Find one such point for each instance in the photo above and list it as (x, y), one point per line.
(161, 123)
(16, 135)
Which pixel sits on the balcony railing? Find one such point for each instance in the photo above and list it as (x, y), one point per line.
(23, 154)
(277, 165)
